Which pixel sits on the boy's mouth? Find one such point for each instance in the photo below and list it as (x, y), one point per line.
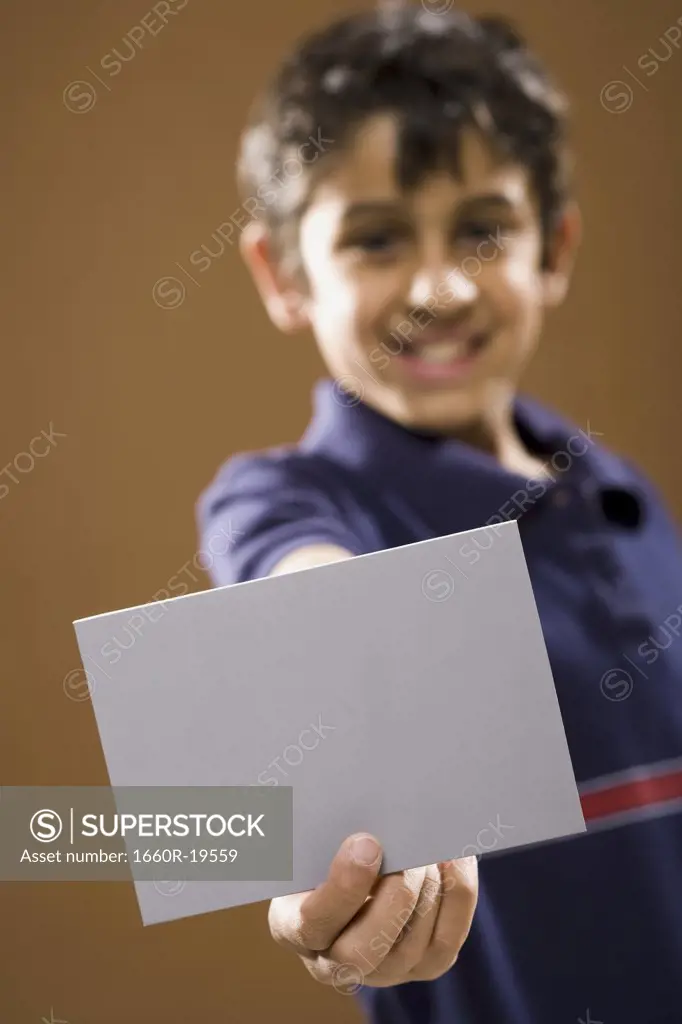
(441, 357)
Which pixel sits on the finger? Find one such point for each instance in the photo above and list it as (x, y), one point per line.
(311, 921)
(369, 938)
(459, 894)
(410, 946)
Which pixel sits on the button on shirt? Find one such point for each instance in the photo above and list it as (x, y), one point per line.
(584, 928)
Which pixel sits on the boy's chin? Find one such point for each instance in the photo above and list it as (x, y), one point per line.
(448, 411)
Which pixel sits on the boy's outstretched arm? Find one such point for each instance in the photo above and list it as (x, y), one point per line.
(310, 556)
(356, 927)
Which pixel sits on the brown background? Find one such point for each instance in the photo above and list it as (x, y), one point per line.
(97, 206)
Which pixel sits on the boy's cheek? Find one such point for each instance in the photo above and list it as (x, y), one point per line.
(515, 291)
(380, 299)
(337, 313)
(344, 294)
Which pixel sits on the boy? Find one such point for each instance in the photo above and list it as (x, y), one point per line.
(422, 245)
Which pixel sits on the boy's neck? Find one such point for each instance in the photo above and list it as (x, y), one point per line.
(498, 435)
(517, 459)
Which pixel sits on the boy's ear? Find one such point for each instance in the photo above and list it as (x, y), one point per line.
(563, 249)
(282, 297)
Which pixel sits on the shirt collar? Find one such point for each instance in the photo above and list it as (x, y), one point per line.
(437, 475)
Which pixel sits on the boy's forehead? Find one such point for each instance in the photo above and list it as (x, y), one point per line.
(365, 172)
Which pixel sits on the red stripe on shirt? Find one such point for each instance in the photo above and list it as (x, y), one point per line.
(627, 796)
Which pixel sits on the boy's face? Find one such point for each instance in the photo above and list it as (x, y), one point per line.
(428, 304)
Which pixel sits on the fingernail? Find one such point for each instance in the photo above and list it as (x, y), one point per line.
(365, 851)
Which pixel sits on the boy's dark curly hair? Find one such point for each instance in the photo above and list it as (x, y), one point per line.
(435, 73)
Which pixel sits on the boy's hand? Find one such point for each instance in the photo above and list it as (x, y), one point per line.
(411, 928)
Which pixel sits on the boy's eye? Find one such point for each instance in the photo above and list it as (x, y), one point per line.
(377, 241)
(478, 229)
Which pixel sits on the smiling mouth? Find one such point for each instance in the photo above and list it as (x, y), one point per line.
(442, 352)
(442, 359)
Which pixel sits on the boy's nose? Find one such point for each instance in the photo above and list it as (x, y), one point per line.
(444, 288)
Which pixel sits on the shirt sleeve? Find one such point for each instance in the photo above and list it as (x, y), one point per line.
(261, 506)
(658, 518)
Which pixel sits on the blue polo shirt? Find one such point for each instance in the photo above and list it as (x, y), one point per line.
(587, 928)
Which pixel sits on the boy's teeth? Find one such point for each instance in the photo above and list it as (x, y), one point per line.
(442, 351)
